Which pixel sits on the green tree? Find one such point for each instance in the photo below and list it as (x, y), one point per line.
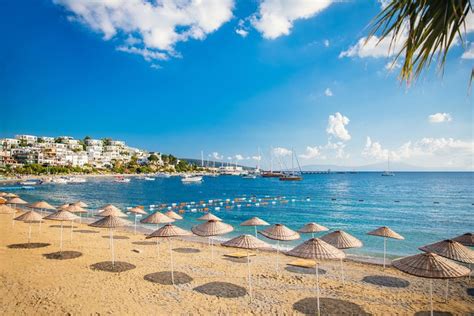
(431, 27)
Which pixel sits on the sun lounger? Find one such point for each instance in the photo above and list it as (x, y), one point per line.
(302, 263)
(241, 254)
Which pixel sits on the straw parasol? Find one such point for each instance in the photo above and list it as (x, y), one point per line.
(3, 200)
(385, 232)
(279, 232)
(210, 229)
(63, 206)
(247, 242)
(30, 217)
(42, 205)
(10, 195)
(342, 240)
(452, 250)
(111, 210)
(2, 194)
(111, 222)
(254, 221)
(316, 248)
(62, 216)
(81, 204)
(208, 217)
(431, 266)
(14, 201)
(466, 239)
(312, 228)
(137, 210)
(168, 231)
(173, 215)
(157, 218)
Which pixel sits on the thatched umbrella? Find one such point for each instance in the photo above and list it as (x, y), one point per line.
(342, 240)
(385, 232)
(316, 248)
(2, 194)
(137, 210)
(210, 229)
(30, 217)
(173, 215)
(157, 218)
(247, 242)
(111, 222)
(208, 217)
(279, 232)
(452, 250)
(111, 210)
(10, 195)
(63, 206)
(254, 221)
(169, 231)
(81, 204)
(312, 228)
(14, 201)
(3, 200)
(62, 216)
(42, 205)
(432, 266)
(466, 239)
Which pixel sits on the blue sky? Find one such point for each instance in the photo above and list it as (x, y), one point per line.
(182, 80)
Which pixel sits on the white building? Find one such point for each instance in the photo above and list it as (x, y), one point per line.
(29, 139)
(10, 142)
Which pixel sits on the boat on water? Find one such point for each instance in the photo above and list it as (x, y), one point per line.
(271, 174)
(292, 175)
(249, 176)
(75, 180)
(388, 173)
(191, 179)
(30, 182)
(60, 180)
(149, 179)
(121, 180)
(163, 175)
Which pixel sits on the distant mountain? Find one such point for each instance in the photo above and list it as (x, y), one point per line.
(382, 166)
(217, 164)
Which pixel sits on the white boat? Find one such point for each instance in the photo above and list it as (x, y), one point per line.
(122, 180)
(387, 173)
(163, 175)
(149, 179)
(249, 176)
(191, 179)
(59, 180)
(76, 180)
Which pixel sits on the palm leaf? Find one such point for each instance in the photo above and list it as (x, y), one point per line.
(428, 29)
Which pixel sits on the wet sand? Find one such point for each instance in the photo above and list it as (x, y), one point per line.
(37, 280)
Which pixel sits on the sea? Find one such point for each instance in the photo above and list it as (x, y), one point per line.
(424, 207)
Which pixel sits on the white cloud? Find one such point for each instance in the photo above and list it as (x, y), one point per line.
(337, 126)
(257, 158)
(392, 65)
(326, 43)
(426, 152)
(328, 92)
(239, 157)
(147, 54)
(311, 152)
(469, 52)
(374, 47)
(147, 27)
(275, 17)
(440, 118)
(281, 151)
(242, 32)
(215, 155)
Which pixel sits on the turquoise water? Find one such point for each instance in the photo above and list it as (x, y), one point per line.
(431, 207)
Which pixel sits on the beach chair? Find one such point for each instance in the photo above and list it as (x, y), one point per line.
(302, 263)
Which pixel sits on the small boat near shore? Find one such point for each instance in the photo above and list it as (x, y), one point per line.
(30, 182)
(191, 179)
(121, 180)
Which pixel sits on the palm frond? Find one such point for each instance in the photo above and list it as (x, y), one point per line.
(426, 28)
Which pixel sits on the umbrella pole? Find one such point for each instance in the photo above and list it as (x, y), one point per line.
(135, 229)
(384, 250)
(312, 236)
(256, 236)
(249, 276)
(212, 248)
(278, 253)
(431, 297)
(171, 261)
(112, 246)
(342, 273)
(317, 285)
(29, 232)
(71, 229)
(61, 238)
(447, 291)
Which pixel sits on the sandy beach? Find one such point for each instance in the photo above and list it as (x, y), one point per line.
(33, 284)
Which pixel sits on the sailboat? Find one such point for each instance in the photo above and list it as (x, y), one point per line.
(271, 173)
(292, 175)
(387, 172)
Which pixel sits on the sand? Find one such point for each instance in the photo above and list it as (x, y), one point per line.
(36, 280)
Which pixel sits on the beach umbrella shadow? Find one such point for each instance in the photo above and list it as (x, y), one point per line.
(186, 250)
(221, 289)
(116, 237)
(63, 255)
(116, 266)
(86, 231)
(328, 306)
(144, 243)
(31, 245)
(386, 281)
(165, 278)
(301, 270)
